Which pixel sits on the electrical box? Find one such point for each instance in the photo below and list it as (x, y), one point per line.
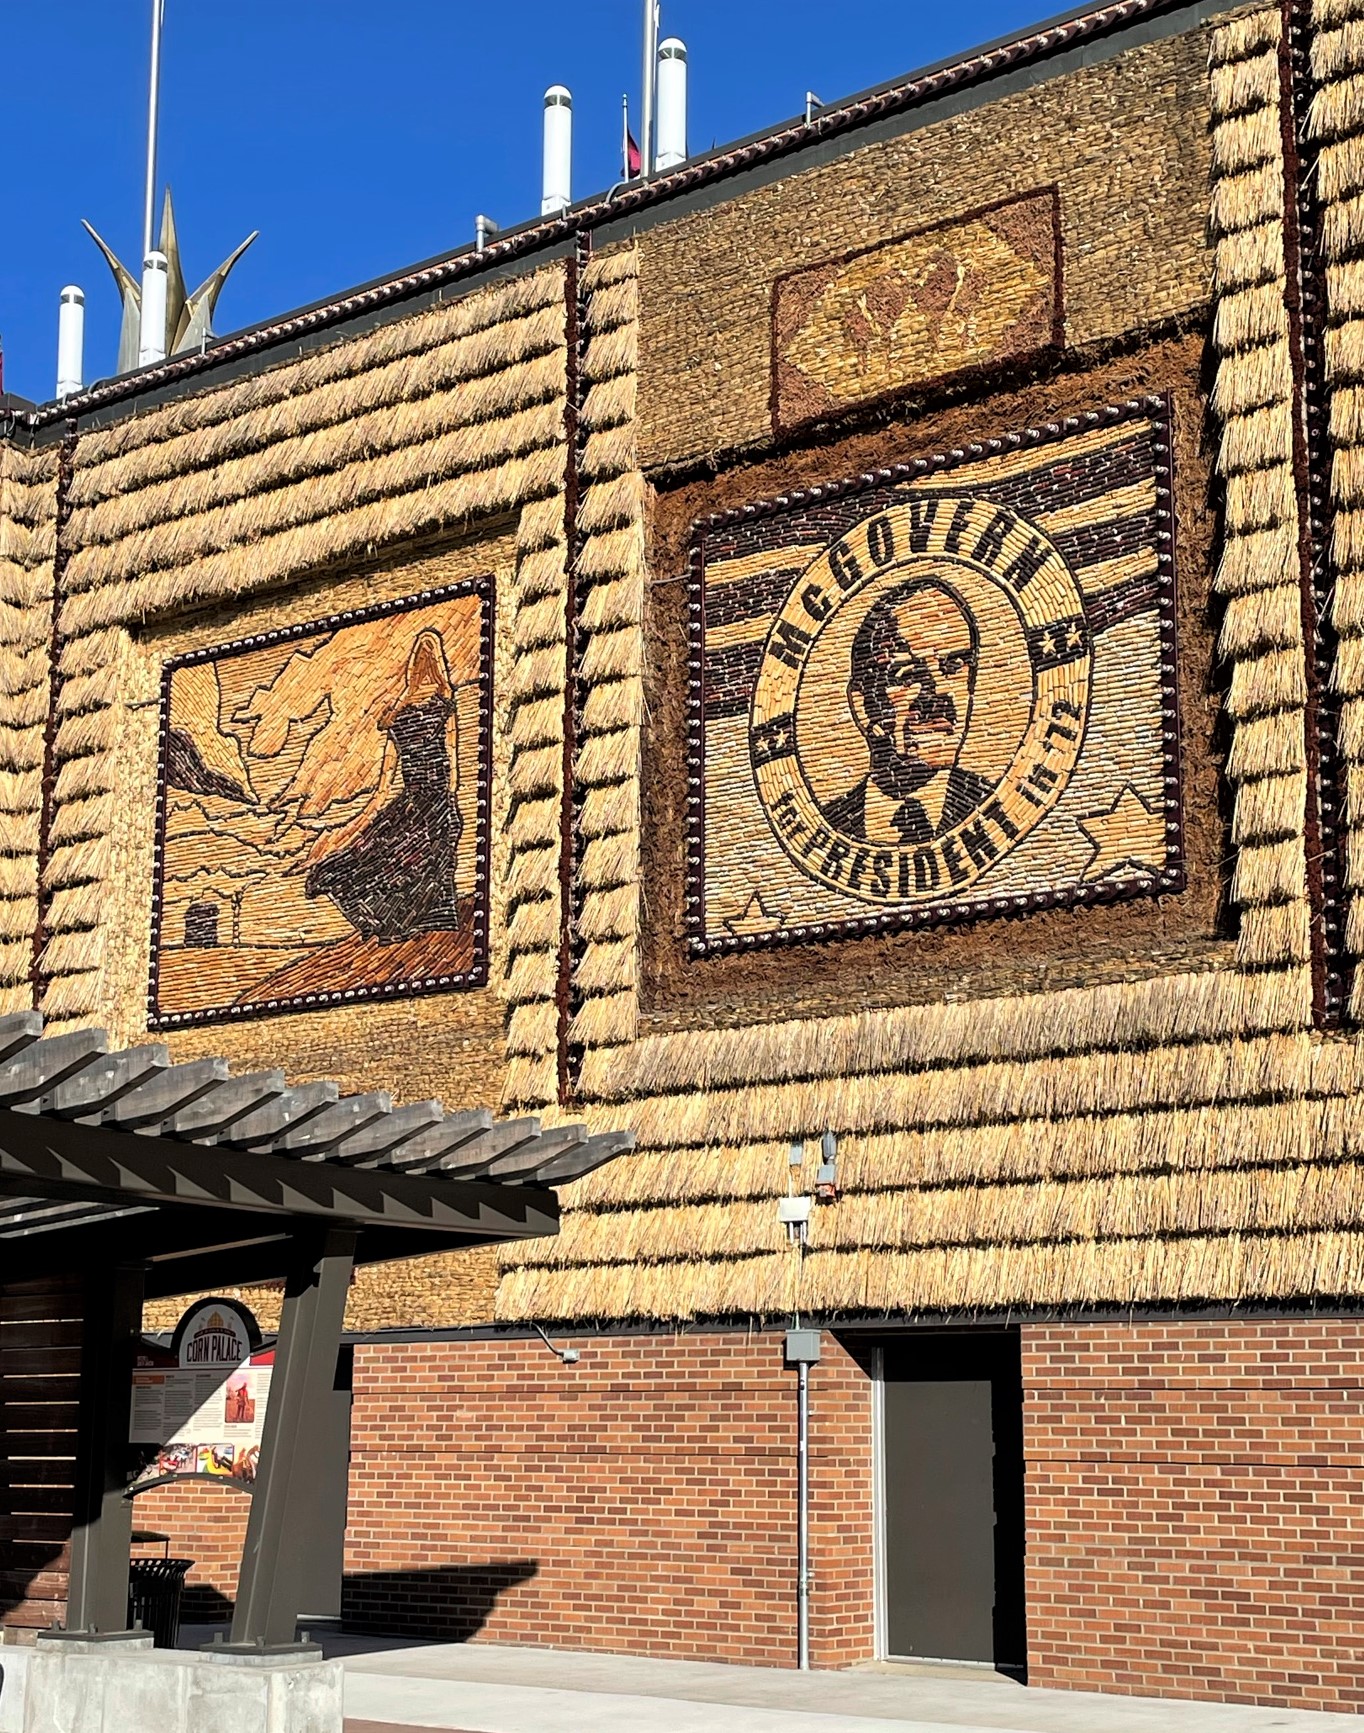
(802, 1347)
(794, 1211)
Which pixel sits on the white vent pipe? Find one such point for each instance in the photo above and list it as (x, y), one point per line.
(672, 104)
(557, 194)
(70, 341)
(151, 344)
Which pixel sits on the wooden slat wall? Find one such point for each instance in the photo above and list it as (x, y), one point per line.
(40, 1351)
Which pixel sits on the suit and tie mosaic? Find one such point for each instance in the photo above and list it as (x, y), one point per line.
(939, 692)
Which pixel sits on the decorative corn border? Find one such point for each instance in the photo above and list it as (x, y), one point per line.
(1336, 128)
(536, 697)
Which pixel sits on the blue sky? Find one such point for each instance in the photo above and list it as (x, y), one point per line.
(362, 137)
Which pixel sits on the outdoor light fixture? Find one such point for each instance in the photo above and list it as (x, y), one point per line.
(569, 1356)
(795, 1213)
(826, 1180)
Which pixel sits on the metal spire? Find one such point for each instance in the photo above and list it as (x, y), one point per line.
(188, 316)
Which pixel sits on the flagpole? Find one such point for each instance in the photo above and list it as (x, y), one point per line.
(153, 104)
(625, 138)
(646, 125)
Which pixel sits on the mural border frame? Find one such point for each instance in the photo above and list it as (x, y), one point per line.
(484, 586)
(782, 430)
(1170, 881)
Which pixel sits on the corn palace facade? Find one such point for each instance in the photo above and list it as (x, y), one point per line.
(864, 636)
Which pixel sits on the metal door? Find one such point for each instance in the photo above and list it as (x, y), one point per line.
(952, 1500)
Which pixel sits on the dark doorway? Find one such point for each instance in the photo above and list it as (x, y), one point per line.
(953, 1515)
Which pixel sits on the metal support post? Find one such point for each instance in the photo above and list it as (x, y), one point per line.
(101, 1536)
(283, 1508)
(648, 105)
(153, 106)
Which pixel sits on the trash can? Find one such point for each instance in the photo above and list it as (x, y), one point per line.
(154, 1589)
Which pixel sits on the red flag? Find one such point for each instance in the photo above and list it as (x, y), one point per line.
(629, 150)
(632, 157)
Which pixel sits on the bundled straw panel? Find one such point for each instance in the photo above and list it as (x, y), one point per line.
(424, 425)
(1259, 576)
(28, 541)
(610, 588)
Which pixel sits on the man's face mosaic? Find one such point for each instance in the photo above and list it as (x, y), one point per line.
(913, 670)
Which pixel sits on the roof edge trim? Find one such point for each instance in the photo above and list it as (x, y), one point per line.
(1037, 44)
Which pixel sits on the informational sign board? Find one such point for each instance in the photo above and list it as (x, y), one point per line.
(201, 1403)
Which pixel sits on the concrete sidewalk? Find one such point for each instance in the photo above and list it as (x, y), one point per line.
(489, 1689)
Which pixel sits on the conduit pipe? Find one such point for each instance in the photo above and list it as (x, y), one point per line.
(802, 1352)
(70, 341)
(803, 1517)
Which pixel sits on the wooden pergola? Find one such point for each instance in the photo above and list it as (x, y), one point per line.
(125, 1177)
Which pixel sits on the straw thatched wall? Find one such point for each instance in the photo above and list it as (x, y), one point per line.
(425, 425)
(610, 592)
(444, 1291)
(1259, 576)
(28, 521)
(1174, 1138)
(1124, 141)
(1158, 1136)
(1337, 128)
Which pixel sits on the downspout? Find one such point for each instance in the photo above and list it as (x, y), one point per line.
(803, 1516)
(802, 1351)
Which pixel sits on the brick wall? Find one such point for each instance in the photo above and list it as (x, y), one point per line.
(643, 1499)
(1195, 1503)
(205, 1523)
(1196, 1510)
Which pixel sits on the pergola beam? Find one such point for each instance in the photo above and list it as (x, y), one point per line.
(42, 1157)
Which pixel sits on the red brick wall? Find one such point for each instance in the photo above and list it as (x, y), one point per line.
(644, 1498)
(1196, 1509)
(204, 1523)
